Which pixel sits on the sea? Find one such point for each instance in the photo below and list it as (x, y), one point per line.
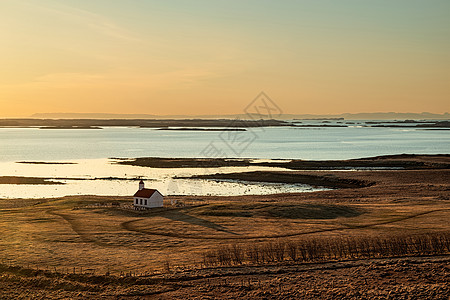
(93, 168)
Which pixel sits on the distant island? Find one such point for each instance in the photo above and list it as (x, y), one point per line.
(208, 124)
(70, 127)
(45, 163)
(203, 129)
(192, 124)
(347, 116)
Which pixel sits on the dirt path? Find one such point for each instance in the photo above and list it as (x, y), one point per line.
(85, 237)
(129, 225)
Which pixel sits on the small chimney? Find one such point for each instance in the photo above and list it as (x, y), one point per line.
(141, 185)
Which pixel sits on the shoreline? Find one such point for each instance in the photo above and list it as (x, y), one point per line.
(318, 181)
(396, 161)
(23, 180)
(316, 174)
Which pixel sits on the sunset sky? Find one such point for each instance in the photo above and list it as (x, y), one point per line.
(213, 57)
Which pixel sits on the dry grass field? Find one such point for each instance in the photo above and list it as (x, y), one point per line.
(98, 235)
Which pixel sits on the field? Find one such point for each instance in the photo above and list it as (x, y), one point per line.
(162, 252)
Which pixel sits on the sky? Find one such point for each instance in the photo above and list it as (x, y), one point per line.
(197, 57)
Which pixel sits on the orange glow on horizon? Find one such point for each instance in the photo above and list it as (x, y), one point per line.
(213, 59)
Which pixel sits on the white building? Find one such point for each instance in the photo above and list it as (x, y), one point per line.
(147, 198)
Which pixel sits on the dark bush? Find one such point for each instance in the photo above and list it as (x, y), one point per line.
(320, 249)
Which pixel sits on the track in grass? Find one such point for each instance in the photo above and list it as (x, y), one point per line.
(131, 226)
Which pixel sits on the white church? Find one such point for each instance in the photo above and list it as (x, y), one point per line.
(147, 198)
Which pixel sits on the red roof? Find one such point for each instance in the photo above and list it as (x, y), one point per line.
(145, 193)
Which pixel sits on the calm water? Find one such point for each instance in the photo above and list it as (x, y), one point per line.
(303, 143)
(90, 149)
(87, 177)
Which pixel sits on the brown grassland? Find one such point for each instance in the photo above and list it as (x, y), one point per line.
(92, 246)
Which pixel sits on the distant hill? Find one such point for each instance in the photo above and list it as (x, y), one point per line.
(347, 116)
(394, 115)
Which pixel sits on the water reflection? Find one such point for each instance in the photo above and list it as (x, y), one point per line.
(88, 177)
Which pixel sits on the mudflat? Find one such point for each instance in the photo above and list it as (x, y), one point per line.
(402, 161)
